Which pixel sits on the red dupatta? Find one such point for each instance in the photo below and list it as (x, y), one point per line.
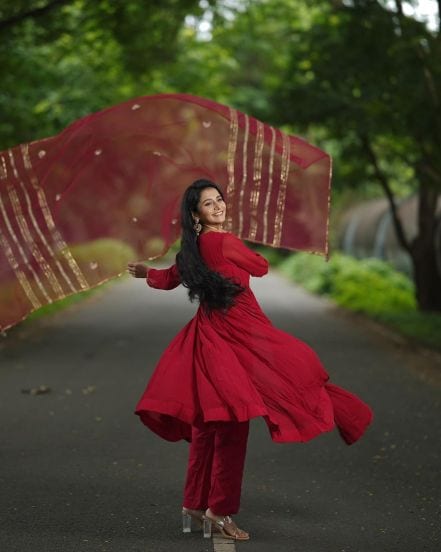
(75, 207)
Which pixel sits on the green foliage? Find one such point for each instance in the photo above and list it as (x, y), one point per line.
(373, 287)
(79, 57)
(309, 270)
(424, 327)
(368, 286)
(342, 74)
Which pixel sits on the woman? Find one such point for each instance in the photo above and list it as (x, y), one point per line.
(230, 364)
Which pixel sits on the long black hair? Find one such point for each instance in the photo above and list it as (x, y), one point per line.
(213, 290)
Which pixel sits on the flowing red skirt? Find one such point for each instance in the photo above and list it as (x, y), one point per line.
(238, 366)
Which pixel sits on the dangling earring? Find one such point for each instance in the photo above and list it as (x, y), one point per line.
(197, 226)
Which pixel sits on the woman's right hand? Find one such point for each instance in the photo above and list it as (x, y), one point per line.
(137, 270)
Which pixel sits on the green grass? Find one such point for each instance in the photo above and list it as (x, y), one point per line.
(424, 327)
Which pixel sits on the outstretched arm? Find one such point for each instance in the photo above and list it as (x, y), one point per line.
(238, 253)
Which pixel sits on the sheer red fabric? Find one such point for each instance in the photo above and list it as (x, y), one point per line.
(238, 365)
(75, 207)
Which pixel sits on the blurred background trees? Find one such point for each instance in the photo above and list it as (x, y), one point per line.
(359, 78)
(63, 59)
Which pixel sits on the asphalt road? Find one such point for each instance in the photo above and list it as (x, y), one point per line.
(79, 472)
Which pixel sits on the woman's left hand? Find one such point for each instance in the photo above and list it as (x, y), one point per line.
(137, 270)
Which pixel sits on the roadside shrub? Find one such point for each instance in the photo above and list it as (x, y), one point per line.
(368, 285)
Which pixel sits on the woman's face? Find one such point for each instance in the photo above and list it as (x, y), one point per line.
(211, 207)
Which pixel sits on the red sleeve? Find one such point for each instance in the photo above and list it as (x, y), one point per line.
(238, 253)
(163, 278)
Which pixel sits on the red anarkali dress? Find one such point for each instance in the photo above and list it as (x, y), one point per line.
(237, 365)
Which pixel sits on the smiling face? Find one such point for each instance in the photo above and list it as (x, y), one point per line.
(211, 208)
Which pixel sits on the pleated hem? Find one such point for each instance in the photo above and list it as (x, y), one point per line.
(172, 421)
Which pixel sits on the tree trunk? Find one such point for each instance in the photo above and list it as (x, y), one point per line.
(426, 272)
(426, 276)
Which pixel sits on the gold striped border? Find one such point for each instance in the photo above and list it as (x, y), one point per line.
(257, 177)
(26, 157)
(244, 174)
(19, 247)
(257, 165)
(61, 245)
(270, 186)
(26, 162)
(284, 172)
(21, 277)
(3, 170)
(232, 145)
(27, 235)
(328, 214)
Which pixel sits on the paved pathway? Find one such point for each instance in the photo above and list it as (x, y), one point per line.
(79, 472)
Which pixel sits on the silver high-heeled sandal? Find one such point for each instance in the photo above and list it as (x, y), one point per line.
(225, 526)
(187, 516)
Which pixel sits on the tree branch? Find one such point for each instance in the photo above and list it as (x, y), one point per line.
(381, 177)
(34, 13)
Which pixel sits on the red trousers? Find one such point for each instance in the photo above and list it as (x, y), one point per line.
(215, 467)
